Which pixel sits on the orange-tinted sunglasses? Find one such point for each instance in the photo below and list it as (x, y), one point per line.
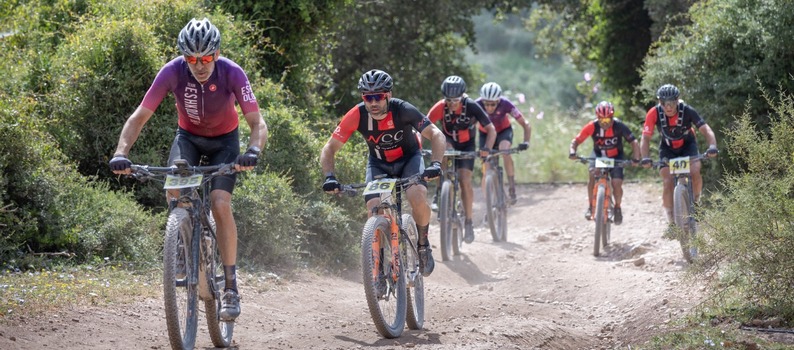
(374, 97)
(204, 59)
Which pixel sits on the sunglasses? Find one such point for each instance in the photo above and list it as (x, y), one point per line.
(453, 100)
(374, 97)
(669, 103)
(604, 120)
(204, 59)
(490, 104)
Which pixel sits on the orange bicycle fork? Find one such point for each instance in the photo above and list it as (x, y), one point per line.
(607, 197)
(395, 250)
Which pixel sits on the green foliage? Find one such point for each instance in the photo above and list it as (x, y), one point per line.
(333, 235)
(292, 148)
(267, 213)
(751, 231)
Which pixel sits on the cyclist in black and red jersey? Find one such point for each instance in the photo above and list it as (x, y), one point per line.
(459, 114)
(388, 126)
(205, 86)
(608, 134)
(499, 110)
(676, 121)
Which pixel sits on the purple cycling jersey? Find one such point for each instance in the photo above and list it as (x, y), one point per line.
(500, 117)
(204, 109)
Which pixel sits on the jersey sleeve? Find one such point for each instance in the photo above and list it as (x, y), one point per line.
(238, 81)
(348, 125)
(627, 134)
(436, 112)
(164, 82)
(650, 122)
(514, 111)
(474, 109)
(696, 119)
(413, 116)
(586, 132)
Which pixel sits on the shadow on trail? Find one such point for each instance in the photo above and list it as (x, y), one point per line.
(468, 270)
(415, 337)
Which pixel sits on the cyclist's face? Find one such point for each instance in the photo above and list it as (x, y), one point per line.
(605, 123)
(670, 107)
(201, 70)
(490, 106)
(376, 103)
(453, 103)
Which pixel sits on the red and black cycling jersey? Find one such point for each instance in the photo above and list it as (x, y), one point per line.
(459, 125)
(677, 130)
(390, 138)
(606, 142)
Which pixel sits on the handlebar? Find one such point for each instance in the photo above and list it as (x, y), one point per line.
(141, 171)
(665, 161)
(587, 160)
(351, 190)
(451, 153)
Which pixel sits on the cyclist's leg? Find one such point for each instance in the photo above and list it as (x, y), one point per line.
(465, 168)
(182, 148)
(417, 194)
(504, 140)
(220, 150)
(375, 167)
(697, 180)
(588, 214)
(617, 194)
(665, 152)
(484, 164)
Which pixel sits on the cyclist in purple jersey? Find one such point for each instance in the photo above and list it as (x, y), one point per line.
(206, 87)
(499, 110)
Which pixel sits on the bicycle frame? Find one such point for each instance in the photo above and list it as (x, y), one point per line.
(601, 203)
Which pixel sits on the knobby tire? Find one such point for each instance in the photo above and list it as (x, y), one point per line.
(683, 220)
(415, 316)
(501, 204)
(386, 297)
(445, 207)
(600, 219)
(491, 200)
(221, 332)
(180, 296)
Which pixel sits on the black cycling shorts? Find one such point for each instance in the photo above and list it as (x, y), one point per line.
(504, 135)
(407, 166)
(218, 150)
(689, 149)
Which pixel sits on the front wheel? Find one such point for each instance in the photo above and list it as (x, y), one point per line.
(221, 332)
(180, 292)
(383, 277)
(415, 317)
(445, 220)
(495, 211)
(685, 222)
(601, 220)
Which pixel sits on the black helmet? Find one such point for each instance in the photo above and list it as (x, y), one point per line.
(375, 80)
(453, 86)
(199, 38)
(667, 92)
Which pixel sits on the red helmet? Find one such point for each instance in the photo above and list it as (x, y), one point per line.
(604, 109)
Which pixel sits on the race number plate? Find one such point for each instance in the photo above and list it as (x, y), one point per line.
(604, 162)
(174, 182)
(679, 165)
(380, 186)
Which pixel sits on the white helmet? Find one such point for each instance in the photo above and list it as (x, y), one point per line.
(491, 91)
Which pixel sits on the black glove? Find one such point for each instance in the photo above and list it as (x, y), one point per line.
(712, 151)
(433, 171)
(248, 158)
(331, 184)
(523, 146)
(572, 156)
(635, 162)
(119, 163)
(646, 162)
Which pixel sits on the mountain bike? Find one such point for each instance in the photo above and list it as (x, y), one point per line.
(602, 198)
(683, 202)
(495, 197)
(393, 282)
(192, 268)
(450, 208)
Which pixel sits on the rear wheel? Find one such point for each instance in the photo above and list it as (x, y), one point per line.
(415, 316)
(383, 287)
(492, 206)
(180, 293)
(220, 331)
(684, 221)
(501, 222)
(600, 219)
(445, 220)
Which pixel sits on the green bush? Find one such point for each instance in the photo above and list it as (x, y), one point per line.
(751, 232)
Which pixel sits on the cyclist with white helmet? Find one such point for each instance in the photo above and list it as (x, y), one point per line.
(458, 115)
(205, 86)
(675, 121)
(388, 126)
(499, 110)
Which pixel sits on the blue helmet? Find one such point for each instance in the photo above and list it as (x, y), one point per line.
(453, 86)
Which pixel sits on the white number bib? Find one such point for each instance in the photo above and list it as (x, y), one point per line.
(380, 186)
(174, 181)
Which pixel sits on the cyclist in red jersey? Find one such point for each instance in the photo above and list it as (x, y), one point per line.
(388, 125)
(608, 134)
(205, 86)
(459, 114)
(499, 109)
(675, 121)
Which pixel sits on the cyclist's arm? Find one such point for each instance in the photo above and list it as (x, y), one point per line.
(132, 129)
(258, 129)
(438, 142)
(586, 132)
(635, 149)
(647, 132)
(327, 157)
(491, 138)
(706, 131)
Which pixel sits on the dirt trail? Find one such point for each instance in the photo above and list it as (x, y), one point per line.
(542, 289)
